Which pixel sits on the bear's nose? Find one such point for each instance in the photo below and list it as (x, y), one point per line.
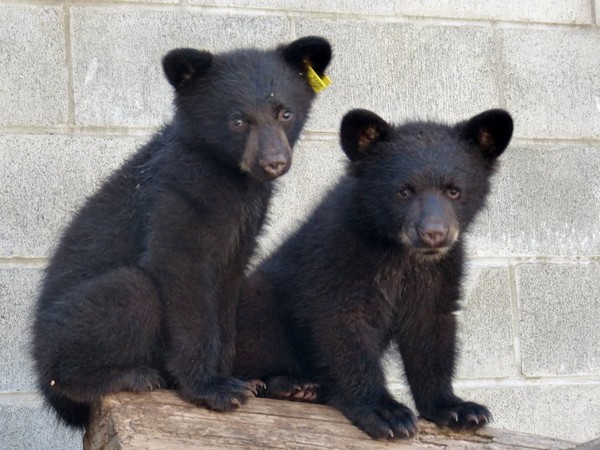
(274, 168)
(434, 235)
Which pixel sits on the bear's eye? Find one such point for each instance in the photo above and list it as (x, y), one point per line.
(237, 124)
(404, 194)
(453, 193)
(286, 115)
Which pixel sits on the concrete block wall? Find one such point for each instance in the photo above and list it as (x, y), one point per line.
(81, 87)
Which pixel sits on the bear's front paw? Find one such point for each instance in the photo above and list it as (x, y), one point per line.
(460, 416)
(220, 394)
(288, 388)
(390, 421)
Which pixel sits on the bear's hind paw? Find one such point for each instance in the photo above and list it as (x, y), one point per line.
(288, 388)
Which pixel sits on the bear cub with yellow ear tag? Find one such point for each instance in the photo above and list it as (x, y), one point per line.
(143, 287)
(379, 263)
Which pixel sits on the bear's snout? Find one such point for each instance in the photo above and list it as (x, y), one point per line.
(274, 151)
(433, 234)
(275, 166)
(435, 228)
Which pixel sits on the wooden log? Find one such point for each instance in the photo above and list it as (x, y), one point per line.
(590, 445)
(161, 420)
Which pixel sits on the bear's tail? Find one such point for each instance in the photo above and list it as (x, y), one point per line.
(71, 413)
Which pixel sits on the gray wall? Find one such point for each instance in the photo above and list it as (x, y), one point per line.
(81, 86)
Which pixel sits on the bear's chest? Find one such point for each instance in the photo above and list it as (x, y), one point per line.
(406, 287)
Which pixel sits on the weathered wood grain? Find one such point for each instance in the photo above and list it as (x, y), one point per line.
(590, 445)
(160, 420)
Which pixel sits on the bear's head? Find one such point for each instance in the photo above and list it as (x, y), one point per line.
(421, 184)
(246, 108)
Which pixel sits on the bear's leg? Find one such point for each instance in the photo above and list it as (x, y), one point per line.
(227, 312)
(262, 346)
(428, 349)
(349, 353)
(101, 337)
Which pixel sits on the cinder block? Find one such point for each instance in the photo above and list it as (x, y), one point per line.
(554, 11)
(551, 81)
(316, 167)
(558, 310)
(119, 81)
(485, 325)
(27, 425)
(544, 202)
(561, 411)
(18, 292)
(403, 71)
(343, 6)
(33, 70)
(44, 181)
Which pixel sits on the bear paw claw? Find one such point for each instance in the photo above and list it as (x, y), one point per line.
(463, 415)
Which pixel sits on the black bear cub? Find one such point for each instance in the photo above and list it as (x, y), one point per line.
(379, 263)
(143, 287)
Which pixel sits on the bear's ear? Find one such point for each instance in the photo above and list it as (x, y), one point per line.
(183, 65)
(490, 131)
(312, 50)
(359, 131)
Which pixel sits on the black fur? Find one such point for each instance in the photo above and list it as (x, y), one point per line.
(379, 263)
(143, 287)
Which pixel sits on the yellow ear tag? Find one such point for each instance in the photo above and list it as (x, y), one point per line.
(317, 82)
